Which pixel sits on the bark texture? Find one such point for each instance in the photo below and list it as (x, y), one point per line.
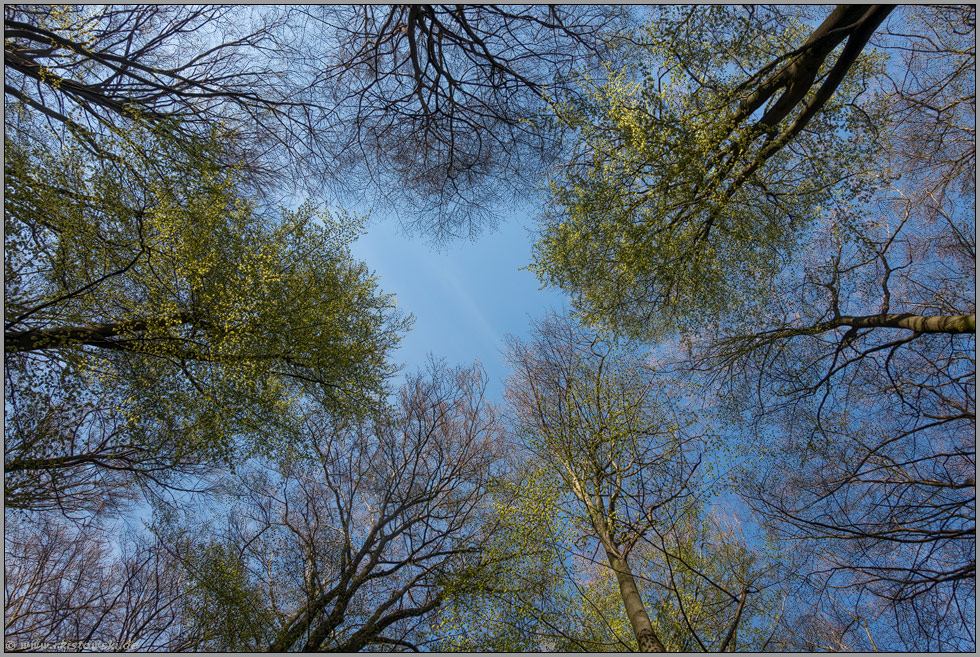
(637, 613)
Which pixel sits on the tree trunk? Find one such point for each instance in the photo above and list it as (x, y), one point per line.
(919, 323)
(855, 23)
(637, 613)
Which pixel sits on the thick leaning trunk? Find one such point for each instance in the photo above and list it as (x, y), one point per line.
(646, 638)
(856, 24)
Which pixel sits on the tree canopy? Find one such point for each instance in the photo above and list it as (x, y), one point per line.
(613, 439)
(156, 318)
(682, 198)
(354, 546)
(754, 429)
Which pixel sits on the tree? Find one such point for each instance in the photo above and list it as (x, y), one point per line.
(355, 543)
(436, 101)
(545, 591)
(629, 460)
(422, 106)
(68, 588)
(869, 436)
(680, 201)
(91, 70)
(157, 321)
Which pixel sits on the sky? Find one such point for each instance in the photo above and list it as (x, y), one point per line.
(466, 297)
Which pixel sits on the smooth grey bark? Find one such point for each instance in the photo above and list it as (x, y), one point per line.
(646, 638)
(635, 611)
(920, 323)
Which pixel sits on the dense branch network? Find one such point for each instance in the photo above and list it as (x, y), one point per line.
(428, 108)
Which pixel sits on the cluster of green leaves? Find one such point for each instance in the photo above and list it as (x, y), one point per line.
(530, 591)
(708, 567)
(219, 579)
(679, 206)
(146, 279)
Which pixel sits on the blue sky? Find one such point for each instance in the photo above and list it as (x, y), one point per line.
(466, 298)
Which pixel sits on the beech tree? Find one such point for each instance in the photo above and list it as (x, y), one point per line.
(867, 371)
(682, 197)
(68, 587)
(534, 591)
(354, 544)
(680, 208)
(629, 462)
(157, 321)
(874, 457)
(545, 589)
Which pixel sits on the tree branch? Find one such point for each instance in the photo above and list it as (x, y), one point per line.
(98, 335)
